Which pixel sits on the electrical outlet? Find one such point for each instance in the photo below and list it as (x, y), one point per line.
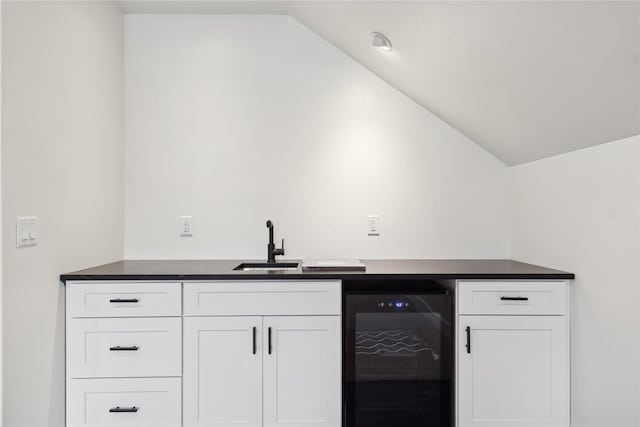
(373, 225)
(185, 226)
(26, 231)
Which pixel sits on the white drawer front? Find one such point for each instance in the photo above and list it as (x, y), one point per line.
(262, 298)
(124, 347)
(526, 298)
(123, 299)
(92, 402)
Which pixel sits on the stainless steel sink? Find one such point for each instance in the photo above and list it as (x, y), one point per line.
(267, 266)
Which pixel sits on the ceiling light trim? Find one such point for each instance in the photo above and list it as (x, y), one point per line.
(381, 41)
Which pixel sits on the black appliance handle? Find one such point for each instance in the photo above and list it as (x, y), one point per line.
(254, 340)
(468, 345)
(514, 299)
(119, 348)
(119, 409)
(269, 333)
(118, 300)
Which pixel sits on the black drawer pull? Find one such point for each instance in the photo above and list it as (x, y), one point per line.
(269, 340)
(514, 299)
(133, 300)
(118, 348)
(119, 409)
(468, 345)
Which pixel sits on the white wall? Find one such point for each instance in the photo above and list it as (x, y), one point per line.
(237, 119)
(62, 161)
(1, 234)
(580, 212)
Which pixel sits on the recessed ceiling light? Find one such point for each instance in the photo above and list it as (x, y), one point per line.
(380, 41)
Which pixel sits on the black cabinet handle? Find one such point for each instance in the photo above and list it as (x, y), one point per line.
(514, 299)
(468, 345)
(269, 340)
(119, 348)
(119, 409)
(133, 300)
(254, 340)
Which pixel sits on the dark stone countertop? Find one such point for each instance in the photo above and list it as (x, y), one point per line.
(181, 270)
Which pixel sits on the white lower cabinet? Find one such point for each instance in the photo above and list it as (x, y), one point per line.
(235, 354)
(262, 371)
(117, 402)
(513, 371)
(124, 354)
(224, 359)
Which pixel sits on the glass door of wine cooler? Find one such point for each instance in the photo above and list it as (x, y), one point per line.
(398, 360)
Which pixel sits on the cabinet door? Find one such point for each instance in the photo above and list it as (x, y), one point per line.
(222, 382)
(302, 371)
(515, 372)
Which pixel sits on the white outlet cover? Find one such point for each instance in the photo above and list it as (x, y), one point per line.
(186, 226)
(373, 225)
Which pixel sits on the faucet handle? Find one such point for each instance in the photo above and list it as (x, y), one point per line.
(279, 251)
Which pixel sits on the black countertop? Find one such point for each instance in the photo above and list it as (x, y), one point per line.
(401, 268)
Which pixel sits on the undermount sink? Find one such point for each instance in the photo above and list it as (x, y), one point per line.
(267, 266)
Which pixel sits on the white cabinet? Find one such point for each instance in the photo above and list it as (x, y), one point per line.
(254, 364)
(124, 354)
(268, 354)
(222, 371)
(262, 371)
(513, 370)
(302, 385)
(241, 353)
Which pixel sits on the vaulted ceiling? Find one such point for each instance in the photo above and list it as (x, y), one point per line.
(525, 80)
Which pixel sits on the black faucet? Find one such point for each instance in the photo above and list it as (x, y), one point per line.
(272, 251)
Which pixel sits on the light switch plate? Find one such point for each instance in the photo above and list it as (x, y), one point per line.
(373, 225)
(26, 231)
